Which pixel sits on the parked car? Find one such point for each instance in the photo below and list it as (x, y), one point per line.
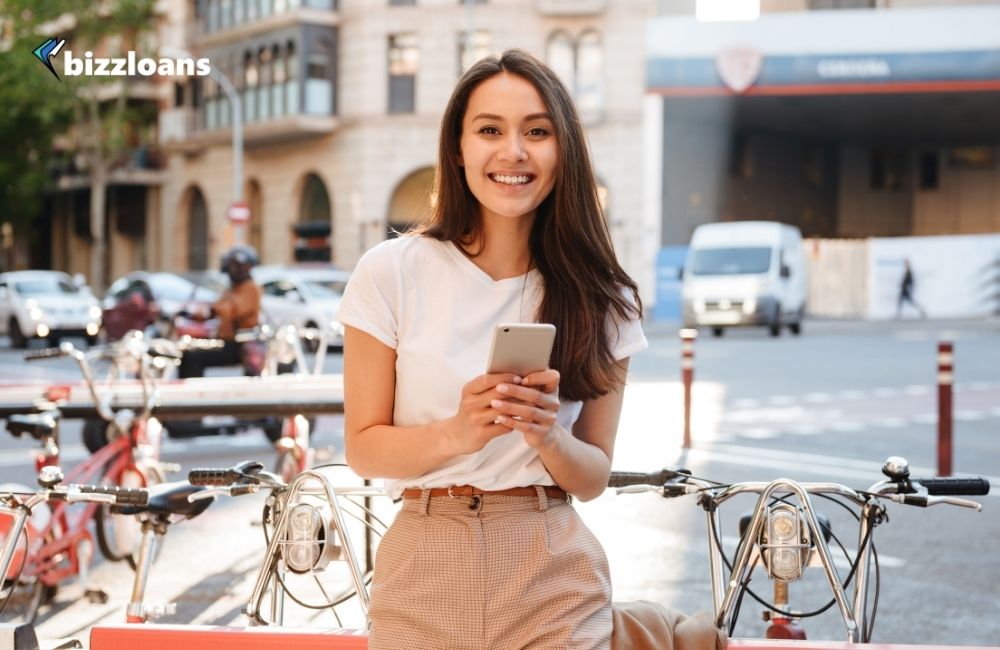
(742, 273)
(304, 295)
(142, 299)
(46, 305)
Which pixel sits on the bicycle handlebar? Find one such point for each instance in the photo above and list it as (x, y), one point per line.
(955, 486)
(44, 353)
(123, 496)
(247, 472)
(622, 479)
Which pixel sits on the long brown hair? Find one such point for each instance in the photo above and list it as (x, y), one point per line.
(569, 241)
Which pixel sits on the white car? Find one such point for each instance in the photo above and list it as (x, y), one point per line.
(46, 305)
(304, 295)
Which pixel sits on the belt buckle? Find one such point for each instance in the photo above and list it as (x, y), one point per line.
(450, 495)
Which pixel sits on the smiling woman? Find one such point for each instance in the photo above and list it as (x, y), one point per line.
(485, 462)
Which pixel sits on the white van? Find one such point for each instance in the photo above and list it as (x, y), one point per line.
(744, 273)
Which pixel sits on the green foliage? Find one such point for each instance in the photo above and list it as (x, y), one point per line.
(36, 108)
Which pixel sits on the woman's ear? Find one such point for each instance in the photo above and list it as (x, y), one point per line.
(458, 157)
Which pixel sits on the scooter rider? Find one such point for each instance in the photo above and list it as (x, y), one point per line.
(237, 308)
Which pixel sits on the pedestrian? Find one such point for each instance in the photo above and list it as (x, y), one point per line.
(487, 550)
(906, 291)
(237, 308)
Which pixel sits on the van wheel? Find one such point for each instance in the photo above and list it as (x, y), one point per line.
(775, 325)
(795, 328)
(718, 331)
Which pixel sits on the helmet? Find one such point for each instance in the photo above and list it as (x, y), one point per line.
(237, 262)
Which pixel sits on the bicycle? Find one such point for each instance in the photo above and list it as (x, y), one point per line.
(130, 458)
(307, 526)
(785, 533)
(31, 574)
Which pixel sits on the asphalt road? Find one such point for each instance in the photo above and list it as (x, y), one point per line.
(830, 405)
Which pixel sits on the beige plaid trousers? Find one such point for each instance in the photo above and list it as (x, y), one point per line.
(490, 572)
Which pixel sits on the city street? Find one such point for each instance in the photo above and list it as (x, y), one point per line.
(830, 405)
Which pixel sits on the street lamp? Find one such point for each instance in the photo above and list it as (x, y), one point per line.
(237, 106)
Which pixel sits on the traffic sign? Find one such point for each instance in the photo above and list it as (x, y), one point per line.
(238, 212)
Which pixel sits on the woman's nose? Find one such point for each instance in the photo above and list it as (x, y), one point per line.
(514, 149)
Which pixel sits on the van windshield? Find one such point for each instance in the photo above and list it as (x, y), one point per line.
(731, 261)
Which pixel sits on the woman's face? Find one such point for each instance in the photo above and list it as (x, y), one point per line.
(508, 147)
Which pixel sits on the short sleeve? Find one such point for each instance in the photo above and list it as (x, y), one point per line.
(371, 298)
(627, 336)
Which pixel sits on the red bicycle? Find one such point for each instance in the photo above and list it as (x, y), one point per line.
(58, 544)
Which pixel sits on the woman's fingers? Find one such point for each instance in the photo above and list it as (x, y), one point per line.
(524, 411)
(528, 395)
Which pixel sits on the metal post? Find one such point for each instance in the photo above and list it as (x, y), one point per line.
(688, 337)
(945, 379)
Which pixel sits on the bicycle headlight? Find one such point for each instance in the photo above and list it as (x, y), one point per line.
(310, 541)
(784, 542)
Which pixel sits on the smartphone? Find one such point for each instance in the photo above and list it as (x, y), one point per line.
(521, 348)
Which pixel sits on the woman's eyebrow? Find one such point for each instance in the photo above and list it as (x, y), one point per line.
(498, 118)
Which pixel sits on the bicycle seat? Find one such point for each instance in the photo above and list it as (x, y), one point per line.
(170, 499)
(38, 425)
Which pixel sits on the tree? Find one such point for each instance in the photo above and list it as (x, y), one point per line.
(91, 114)
(34, 109)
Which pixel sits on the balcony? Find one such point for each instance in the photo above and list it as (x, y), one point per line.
(213, 32)
(571, 7)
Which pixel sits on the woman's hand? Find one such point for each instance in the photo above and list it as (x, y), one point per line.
(477, 422)
(530, 407)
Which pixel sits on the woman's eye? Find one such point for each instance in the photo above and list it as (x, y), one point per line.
(538, 132)
(489, 130)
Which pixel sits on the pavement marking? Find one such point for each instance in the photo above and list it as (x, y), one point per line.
(885, 392)
(917, 389)
(851, 394)
(817, 397)
(969, 416)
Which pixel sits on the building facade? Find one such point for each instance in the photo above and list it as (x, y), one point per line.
(341, 103)
(847, 118)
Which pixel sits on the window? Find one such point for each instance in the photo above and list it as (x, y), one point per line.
(559, 53)
(589, 72)
(472, 47)
(579, 63)
(319, 81)
(401, 3)
(404, 60)
(929, 170)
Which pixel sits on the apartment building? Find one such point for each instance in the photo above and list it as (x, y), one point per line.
(341, 101)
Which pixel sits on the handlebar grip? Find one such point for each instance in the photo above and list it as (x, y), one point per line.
(244, 472)
(955, 486)
(124, 496)
(212, 477)
(622, 479)
(44, 353)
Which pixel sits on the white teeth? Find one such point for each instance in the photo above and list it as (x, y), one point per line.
(509, 180)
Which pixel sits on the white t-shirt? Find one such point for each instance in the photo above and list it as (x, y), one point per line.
(430, 303)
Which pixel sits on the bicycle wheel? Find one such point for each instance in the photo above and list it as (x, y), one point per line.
(119, 536)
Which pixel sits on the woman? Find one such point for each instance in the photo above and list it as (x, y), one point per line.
(487, 551)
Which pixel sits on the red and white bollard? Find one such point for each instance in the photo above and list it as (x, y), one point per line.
(945, 378)
(688, 337)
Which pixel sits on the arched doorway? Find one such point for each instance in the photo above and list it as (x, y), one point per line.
(314, 230)
(197, 257)
(411, 202)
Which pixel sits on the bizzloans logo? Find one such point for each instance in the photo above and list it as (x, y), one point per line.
(128, 66)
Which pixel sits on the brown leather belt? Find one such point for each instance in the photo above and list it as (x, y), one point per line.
(551, 491)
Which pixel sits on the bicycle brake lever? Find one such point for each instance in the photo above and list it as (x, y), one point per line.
(954, 501)
(636, 489)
